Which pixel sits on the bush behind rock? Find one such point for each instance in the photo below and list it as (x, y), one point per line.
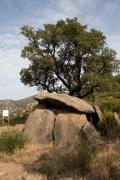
(109, 127)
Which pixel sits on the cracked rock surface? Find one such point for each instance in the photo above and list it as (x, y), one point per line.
(60, 120)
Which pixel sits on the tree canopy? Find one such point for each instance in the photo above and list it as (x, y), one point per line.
(67, 56)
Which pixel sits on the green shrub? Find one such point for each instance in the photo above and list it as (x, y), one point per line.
(85, 152)
(1, 123)
(111, 104)
(109, 127)
(11, 140)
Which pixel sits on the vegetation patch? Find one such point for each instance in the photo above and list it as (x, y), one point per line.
(66, 163)
(19, 120)
(11, 140)
(109, 127)
(102, 162)
(105, 164)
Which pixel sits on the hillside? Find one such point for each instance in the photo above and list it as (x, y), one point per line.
(14, 105)
(25, 101)
(109, 101)
(18, 110)
(8, 104)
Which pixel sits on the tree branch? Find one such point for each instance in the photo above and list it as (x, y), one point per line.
(89, 92)
(57, 69)
(43, 85)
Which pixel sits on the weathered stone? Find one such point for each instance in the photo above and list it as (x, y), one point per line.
(39, 126)
(67, 129)
(98, 112)
(58, 118)
(117, 118)
(3, 175)
(63, 101)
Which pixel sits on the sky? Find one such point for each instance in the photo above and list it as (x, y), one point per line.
(104, 15)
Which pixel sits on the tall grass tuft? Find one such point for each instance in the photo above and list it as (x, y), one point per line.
(109, 127)
(105, 165)
(84, 155)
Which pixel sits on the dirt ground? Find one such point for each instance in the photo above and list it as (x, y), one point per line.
(14, 171)
(11, 171)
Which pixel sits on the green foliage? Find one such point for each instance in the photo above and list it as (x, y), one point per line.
(44, 169)
(11, 140)
(109, 127)
(66, 56)
(111, 105)
(117, 78)
(2, 124)
(19, 120)
(107, 101)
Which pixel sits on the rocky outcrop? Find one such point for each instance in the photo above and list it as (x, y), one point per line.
(68, 126)
(60, 120)
(98, 112)
(117, 117)
(39, 126)
(64, 101)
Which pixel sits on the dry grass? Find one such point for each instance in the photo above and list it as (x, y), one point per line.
(9, 128)
(28, 154)
(105, 164)
(27, 176)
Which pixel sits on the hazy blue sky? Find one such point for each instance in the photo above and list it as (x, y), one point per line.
(101, 14)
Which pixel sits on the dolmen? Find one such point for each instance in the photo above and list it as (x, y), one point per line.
(59, 118)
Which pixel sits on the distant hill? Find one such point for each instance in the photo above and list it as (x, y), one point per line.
(17, 107)
(8, 105)
(25, 101)
(109, 101)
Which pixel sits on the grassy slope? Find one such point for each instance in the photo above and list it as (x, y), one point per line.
(107, 101)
